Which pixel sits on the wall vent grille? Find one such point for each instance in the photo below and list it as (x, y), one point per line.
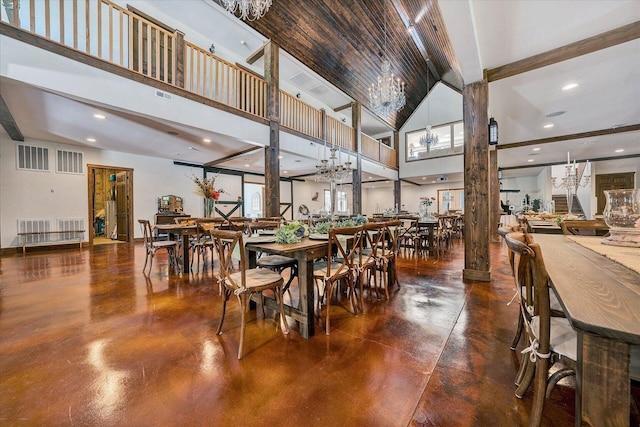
(164, 95)
(70, 162)
(70, 224)
(33, 158)
(35, 225)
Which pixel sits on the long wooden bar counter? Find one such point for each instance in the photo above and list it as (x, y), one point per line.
(601, 298)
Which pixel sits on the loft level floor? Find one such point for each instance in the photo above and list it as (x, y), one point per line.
(85, 339)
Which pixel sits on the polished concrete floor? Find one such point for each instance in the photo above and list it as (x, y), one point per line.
(86, 339)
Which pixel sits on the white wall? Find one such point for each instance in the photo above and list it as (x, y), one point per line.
(442, 105)
(29, 194)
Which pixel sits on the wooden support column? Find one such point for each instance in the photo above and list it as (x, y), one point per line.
(272, 163)
(476, 182)
(494, 198)
(178, 78)
(397, 187)
(356, 188)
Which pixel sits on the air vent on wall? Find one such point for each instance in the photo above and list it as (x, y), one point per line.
(301, 78)
(69, 162)
(319, 90)
(70, 224)
(163, 95)
(33, 158)
(35, 226)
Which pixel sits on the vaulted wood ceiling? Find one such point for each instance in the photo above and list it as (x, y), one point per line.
(344, 41)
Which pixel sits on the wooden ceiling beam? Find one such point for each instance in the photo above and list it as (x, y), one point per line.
(233, 156)
(610, 131)
(259, 53)
(343, 107)
(8, 122)
(573, 50)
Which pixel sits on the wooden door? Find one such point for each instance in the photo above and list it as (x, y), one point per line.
(611, 181)
(123, 198)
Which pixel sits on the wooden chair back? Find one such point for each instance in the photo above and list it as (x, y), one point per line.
(225, 243)
(344, 245)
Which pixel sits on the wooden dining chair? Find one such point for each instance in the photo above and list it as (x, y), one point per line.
(152, 246)
(339, 267)
(551, 339)
(245, 282)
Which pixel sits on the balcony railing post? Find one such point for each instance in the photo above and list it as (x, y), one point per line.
(178, 59)
(323, 125)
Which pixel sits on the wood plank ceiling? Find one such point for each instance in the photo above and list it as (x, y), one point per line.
(344, 41)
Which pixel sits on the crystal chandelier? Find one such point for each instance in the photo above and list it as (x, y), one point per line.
(249, 9)
(331, 170)
(429, 138)
(388, 95)
(571, 181)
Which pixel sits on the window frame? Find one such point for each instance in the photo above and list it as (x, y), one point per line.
(412, 152)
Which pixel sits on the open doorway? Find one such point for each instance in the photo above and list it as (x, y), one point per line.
(110, 204)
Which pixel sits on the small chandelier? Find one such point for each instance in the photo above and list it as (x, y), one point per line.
(249, 9)
(429, 138)
(388, 95)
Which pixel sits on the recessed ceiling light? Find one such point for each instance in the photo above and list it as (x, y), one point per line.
(550, 125)
(99, 116)
(424, 177)
(206, 140)
(530, 160)
(536, 149)
(285, 171)
(370, 178)
(570, 86)
(91, 139)
(246, 165)
(280, 157)
(433, 182)
(620, 150)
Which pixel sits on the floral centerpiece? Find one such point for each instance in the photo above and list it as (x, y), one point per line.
(323, 227)
(425, 203)
(207, 189)
(293, 232)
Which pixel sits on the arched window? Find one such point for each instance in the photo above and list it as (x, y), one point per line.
(256, 202)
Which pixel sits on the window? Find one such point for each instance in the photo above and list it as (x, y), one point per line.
(256, 202)
(450, 142)
(341, 201)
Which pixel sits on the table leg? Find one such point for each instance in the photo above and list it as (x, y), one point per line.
(307, 303)
(602, 382)
(186, 266)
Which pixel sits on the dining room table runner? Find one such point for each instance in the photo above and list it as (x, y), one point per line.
(629, 257)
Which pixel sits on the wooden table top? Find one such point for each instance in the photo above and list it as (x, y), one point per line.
(599, 296)
(287, 248)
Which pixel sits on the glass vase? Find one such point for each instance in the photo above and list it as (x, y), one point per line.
(622, 215)
(209, 208)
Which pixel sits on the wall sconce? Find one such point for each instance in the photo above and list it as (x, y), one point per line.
(499, 173)
(493, 131)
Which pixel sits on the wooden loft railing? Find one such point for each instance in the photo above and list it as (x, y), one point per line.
(211, 77)
(300, 116)
(379, 152)
(107, 31)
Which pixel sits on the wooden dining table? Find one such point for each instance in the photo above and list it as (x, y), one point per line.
(601, 299)
(305, 252)
(176, 231)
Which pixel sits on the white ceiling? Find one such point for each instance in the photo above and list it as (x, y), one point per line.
(484, 34)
